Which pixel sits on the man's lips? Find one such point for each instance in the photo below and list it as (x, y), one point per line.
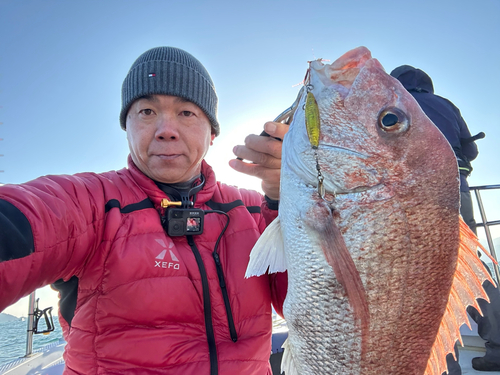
(167, 156)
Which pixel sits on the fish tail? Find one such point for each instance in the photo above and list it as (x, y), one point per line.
(466, 288)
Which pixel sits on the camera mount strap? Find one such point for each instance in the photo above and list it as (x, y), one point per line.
(179, 193)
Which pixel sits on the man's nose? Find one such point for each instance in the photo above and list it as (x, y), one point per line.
(167, 128)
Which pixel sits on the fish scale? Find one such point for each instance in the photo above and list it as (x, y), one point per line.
(312, 283)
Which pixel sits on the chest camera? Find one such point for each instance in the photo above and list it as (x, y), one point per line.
(184, 221)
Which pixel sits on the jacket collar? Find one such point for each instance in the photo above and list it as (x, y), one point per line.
(156, 194)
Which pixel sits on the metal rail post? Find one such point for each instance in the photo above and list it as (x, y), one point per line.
(31, 320)
(487, 223)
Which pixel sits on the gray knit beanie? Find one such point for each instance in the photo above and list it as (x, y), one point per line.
(170, 71)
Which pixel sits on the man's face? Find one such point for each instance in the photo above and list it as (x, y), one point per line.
(168, 137)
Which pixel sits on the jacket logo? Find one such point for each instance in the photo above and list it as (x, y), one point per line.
(161, 262)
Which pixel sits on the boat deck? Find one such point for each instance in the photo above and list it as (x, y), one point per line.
(44, 361)
(473, 347)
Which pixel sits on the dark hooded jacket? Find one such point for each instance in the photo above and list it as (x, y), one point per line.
(443, 113)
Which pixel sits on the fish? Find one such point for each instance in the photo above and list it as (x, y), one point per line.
(380, 264)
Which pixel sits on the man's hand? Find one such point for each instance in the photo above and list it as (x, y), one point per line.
(265, 156)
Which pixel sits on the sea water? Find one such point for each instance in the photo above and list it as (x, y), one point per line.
(13, 339)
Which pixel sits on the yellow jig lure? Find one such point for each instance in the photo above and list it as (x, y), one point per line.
(312, 120)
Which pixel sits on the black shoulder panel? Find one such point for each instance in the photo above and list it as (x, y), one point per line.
(146, 203)
(253, 209)
(226, 207)
(16, 236)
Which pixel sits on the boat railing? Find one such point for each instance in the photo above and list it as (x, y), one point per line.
(34, 316)
(487, 224)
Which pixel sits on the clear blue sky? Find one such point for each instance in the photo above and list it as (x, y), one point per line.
(62, 64)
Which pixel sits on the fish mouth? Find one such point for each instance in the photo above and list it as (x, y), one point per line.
(344, 70)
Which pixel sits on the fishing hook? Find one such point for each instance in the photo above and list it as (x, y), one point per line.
(321, 186)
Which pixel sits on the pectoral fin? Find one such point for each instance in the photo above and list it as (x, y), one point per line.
(339, 258)
(268, 253)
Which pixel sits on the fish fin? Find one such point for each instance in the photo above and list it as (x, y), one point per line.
(339, 258)
(287, 361)
(466, 288)
(268, 253)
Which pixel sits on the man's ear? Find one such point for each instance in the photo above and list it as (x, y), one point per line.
(212, 137)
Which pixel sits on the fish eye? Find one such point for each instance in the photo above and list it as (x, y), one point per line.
(393, 120)
(389, 119)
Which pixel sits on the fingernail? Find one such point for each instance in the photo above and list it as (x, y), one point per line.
(234, 149)
(270, 128)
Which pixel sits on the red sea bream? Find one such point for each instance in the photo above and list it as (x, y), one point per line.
(380, 264)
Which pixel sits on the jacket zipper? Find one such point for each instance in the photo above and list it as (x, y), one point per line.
(222, 283)
(206, 308)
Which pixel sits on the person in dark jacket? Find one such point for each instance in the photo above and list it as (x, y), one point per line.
(150, 260)
(446, 116)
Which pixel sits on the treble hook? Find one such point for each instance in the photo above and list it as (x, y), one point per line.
(322, 192)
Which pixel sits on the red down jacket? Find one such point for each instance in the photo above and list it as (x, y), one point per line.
(146, 303)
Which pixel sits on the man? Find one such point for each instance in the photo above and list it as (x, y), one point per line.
(143, 292)
(446, 116)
